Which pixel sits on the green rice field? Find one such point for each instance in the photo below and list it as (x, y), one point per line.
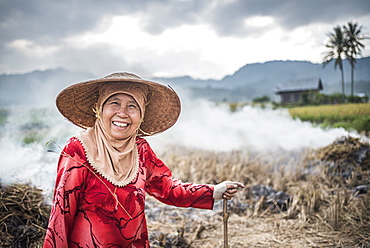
(349, 116)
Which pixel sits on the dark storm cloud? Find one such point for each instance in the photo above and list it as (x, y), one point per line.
(45, 23)
(228, 18)
(45, 20)
(159, 16)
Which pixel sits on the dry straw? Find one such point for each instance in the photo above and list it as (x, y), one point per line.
(323, 210)
(23, 216)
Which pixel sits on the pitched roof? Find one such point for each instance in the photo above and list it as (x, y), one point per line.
(300, 85)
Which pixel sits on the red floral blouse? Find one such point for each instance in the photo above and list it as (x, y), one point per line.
(89, 211)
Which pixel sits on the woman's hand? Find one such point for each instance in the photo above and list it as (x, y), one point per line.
(226, 190)
(231, 189)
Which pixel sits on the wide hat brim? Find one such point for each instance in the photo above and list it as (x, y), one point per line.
(162, 110)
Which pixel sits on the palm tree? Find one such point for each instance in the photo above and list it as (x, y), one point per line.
(336, 45)
(353, 46)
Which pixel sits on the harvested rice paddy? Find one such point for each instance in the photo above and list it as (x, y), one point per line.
(328, 201)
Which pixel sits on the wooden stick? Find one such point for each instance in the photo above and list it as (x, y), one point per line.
(225, 218)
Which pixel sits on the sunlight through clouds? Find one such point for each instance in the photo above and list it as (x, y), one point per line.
(259, 21)
(30, 48)
(205, 40)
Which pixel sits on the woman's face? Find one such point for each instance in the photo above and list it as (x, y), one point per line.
(120, 116)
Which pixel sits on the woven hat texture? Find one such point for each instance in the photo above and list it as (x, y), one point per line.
(76, 102)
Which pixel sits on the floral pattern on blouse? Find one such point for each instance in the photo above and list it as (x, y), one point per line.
(89, 211)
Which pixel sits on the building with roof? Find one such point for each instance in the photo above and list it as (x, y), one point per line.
(298, 91)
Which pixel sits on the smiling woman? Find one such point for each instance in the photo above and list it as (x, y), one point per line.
(105, 172)
(121, 116)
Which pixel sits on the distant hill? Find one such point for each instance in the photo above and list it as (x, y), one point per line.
(250, 81)
(37, 88)
(258, 79)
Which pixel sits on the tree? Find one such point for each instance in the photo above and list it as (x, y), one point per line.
(336, 45)
(261, 99)
(353, 46)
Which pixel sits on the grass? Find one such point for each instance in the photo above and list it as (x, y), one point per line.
(3, 116)
(349, 116)
(28, 125)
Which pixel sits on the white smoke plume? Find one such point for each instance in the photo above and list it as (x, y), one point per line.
(202, 125)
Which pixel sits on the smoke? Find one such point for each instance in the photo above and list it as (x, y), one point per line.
(24, 136)
(25, 132)
(210, 126)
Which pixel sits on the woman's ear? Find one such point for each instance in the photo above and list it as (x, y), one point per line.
(96, 111)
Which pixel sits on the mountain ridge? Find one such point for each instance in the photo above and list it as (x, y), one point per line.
(257, 79)
(249, 81)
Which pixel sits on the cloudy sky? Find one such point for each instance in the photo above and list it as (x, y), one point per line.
(200, 38)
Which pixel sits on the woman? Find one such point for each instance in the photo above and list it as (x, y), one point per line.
(105, 172)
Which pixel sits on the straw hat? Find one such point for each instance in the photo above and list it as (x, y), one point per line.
(162, 109)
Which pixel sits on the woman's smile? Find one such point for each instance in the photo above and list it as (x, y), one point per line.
(120, 124)
(121, 116)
